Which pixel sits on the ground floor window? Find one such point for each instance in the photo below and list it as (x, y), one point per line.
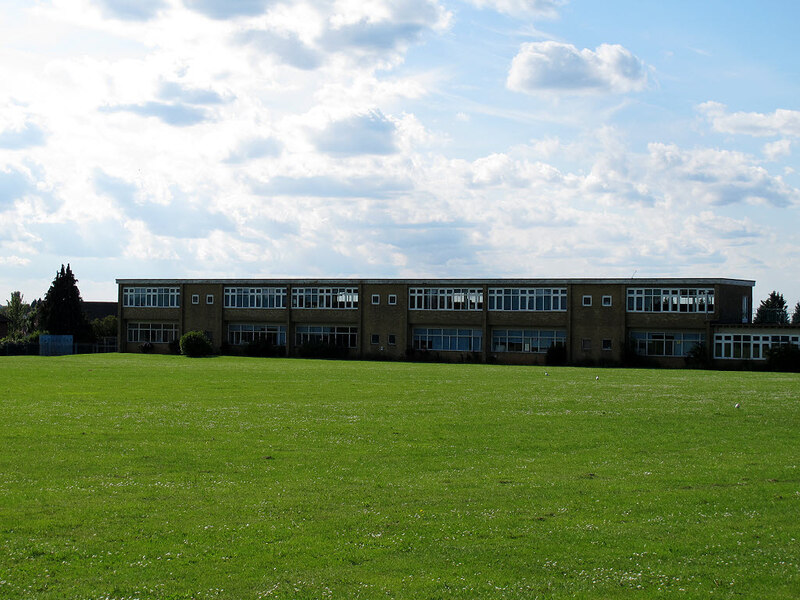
(665, 343)
(749, 346)
(527, 340)
(458, 340)
(342, 337)
(158, 333)
(245, 333)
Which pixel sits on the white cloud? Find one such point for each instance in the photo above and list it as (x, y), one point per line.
(554, 67)
(782, 122)
(539, 8)
(777, 149)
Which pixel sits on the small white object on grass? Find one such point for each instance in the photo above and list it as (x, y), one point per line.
(597, 378)
(736, 405)
(546, 373)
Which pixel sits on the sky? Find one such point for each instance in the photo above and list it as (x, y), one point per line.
(398, 139)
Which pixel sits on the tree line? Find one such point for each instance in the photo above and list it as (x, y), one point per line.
(60, 312)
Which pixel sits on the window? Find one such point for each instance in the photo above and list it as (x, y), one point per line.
(158, 333)
(375, 339)
(586, 344)
(665, 343)
(527, 340)
(464, 340)
(744, 346)
(327, 298)
(156, 297)
(376, 298)
(587, 300)
(209, 298)
(606, 345)
(392, 299)
(255, 297)
(244, 333)
(392, 339)
(342, 337)
(528, 299)
(685, 300)
(606, 300)
(195, 298)
(445, 299)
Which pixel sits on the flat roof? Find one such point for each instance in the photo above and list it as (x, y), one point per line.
(663, 281)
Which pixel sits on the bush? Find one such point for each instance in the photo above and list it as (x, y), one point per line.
(146, 347)
(195, 344)
(261, 348)
(556, 355)
(697, 357)
(175, 346)
(785, 357)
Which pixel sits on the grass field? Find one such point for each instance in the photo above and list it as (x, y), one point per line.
(138, 476)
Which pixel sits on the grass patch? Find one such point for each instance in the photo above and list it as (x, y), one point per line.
(140, 476)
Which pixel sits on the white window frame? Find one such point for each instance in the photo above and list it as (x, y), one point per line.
(376, 299)
(450, 299)
(586, 300)
(325, 298)
(255, 297)
(606, 345)
(536, 341)
(240, 334)
(156, 333)
(671, 300)
(392, 339)
(209, 298)
(375, 339)
(606, 301)
(195, 298)
(392, 299)
(528, 299)
(151, 297)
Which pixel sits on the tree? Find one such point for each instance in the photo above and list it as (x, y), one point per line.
(16, 311)
(61, 311)
(796, 315)
(105, 327)
(772, 310)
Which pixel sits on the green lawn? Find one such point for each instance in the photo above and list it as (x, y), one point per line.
(138, 476)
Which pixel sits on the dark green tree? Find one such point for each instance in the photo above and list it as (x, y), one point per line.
(61, 311)
(796, 314)
(772, 310)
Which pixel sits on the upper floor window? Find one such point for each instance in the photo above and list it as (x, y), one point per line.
(336, 298)
(160, 297)
(528, 299)
(587, 300)
(392, 299)
(606, 301)
(376, 298)
(445, 299)
(685, 300)
(261, 297)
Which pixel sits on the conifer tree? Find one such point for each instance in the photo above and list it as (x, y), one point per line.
(772, 310)
(61, 311)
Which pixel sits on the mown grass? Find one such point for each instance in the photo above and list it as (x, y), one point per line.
(134, 476)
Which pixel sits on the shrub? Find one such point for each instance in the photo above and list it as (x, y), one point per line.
(785, 357)
(195, 344)
(175, 346)
(146, 347)
(261, 348)
(697, 357)
(556, 355)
